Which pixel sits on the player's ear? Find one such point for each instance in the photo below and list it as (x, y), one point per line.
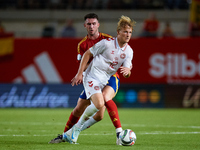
(118, 32)
(84, 25)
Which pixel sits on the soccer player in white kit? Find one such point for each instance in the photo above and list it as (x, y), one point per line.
(108, 56)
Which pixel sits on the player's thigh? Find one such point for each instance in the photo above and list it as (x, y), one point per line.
(98, 100)
(81, 106)
(108, 93)
(111, 89)
(100, 114)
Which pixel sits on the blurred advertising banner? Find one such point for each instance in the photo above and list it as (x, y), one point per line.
(6, 44)
(128, 96)
(195, 11)
(158, 96)
(41, 61)
(140, 96)
(182, 96)
(39, 95)
(155, 61)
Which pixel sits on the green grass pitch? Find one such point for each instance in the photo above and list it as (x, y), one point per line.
(156, 129)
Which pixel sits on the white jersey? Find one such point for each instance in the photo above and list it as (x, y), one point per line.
(108, 57)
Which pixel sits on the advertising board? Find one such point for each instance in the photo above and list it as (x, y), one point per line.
(155, 61)
(39, 95)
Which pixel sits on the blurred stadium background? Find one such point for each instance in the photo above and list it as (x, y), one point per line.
(27, 18)
(36, 70)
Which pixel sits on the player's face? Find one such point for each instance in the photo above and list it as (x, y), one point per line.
(92, 26)
(124, 35)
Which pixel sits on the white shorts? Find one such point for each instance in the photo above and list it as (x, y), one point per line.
(92, 86)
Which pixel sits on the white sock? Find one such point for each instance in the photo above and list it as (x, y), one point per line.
(88, 123)
(89, 111)
(119, 130)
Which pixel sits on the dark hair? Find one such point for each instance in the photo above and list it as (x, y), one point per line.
(91, 15)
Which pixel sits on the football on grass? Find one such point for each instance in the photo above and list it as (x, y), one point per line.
(127, 137)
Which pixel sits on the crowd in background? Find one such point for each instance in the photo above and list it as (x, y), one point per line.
(150, 29)
(94, 4)
(150, 25)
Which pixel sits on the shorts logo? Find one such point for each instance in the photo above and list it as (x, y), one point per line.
(122, 56)
(90, 83)
(96, 88)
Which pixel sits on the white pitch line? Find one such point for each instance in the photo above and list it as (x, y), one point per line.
(54, 134)
(31, 123)
(102, 124)
(161, 126)
(160, 132)
(15, 130)
(141, 133)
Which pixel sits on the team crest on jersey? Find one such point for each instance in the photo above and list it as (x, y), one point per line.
(122, 56)
(96, 87)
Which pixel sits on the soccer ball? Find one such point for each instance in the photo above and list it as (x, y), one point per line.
(127, 137)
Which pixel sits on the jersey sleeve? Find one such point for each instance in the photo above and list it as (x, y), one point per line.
(80, 49)
(128, 61)
(79, 56)
(98, 48)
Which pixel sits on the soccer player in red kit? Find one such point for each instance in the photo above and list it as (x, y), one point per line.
(109, 91)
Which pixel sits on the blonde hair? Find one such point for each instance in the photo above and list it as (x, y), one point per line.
(123, 21)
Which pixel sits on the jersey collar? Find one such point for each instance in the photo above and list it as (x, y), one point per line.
(117, 45)
(96, 38)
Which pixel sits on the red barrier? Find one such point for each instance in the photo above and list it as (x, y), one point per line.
(54, 60)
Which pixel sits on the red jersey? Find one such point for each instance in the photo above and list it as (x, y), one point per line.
(86, 43)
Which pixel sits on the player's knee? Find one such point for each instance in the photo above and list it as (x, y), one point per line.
(100, 105)
(78, 111)
(108, 93)
(107, 96)
(98, 117)
(98, 100)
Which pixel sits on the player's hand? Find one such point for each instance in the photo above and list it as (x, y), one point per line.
(125, 71)
(77, 79)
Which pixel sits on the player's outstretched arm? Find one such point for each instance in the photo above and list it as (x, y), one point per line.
(125, 71)
(79, 76)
